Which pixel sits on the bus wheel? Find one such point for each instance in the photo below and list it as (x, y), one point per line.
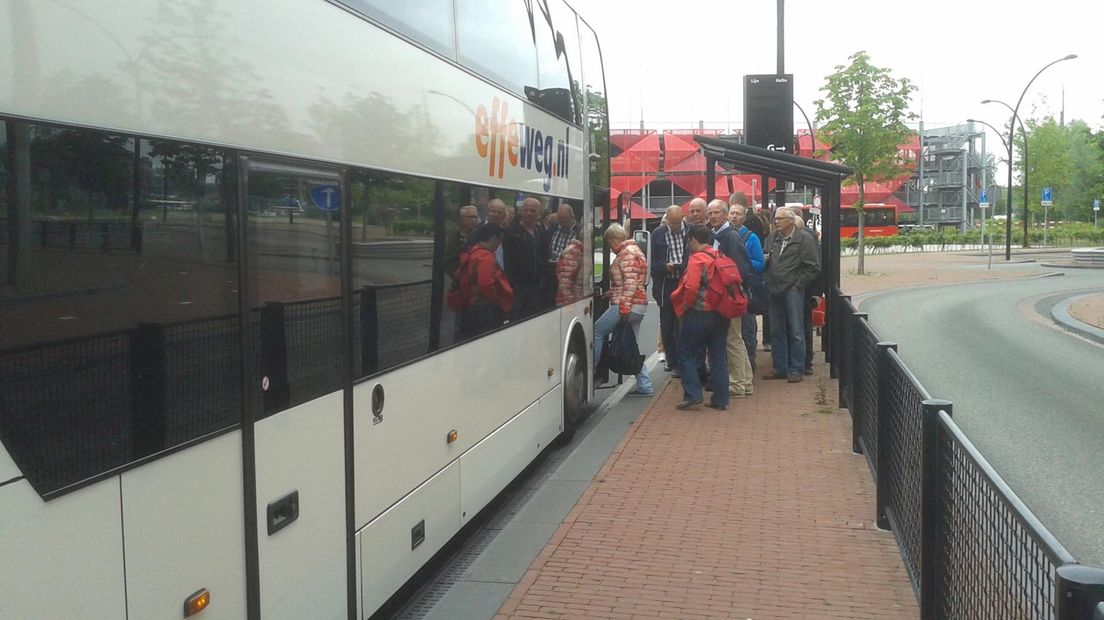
(574, 393)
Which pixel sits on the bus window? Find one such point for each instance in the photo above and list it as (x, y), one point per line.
(496, 39)
(294, 234)
(552, 62)
(427, 21)
(121, 331)
(597, 118)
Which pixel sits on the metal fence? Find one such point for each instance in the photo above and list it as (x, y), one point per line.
(971, 548)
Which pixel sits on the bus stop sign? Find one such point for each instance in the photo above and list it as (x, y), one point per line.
(326, 197)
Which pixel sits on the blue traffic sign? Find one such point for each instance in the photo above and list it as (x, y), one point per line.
(326, 197)
(1046, 194)
(984, 196)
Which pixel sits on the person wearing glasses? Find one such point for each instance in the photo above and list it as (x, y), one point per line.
(793, 264)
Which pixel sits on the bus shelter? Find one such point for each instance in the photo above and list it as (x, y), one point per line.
(784, 167)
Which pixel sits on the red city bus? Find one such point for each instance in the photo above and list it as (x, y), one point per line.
(880, 221)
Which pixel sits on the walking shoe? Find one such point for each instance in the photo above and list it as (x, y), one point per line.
(689, 404)
(794, 379)
(774, 375)
(717, 407)
(642, 392)
(736, 394)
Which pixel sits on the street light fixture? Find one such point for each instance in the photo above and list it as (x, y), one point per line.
(1012, 126)
(1008, 147)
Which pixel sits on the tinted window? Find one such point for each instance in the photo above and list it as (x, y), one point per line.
(120, 309)
(597, 111)
(294, 235)
(393, 251)
(564, 19)
(496, 39)
(552, 59)
(427, 21)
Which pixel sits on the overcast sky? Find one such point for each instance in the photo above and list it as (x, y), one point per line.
(681, 62)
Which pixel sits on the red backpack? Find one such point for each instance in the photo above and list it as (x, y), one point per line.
(724, 293)
(459, 294)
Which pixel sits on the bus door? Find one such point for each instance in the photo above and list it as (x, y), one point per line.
(296, 373)
(601, 277)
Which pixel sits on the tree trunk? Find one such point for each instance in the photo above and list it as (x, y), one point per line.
(860, 245)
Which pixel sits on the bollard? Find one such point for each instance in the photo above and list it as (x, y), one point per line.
(882, 420)
(1079, 591)
(854, 376)
(931, 538)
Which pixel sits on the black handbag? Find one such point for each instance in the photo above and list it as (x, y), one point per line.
(624, 353)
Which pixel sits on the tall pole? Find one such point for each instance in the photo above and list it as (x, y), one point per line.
(1008, 207)
(1011, 131)
(1016, 109)
(781, 37)
(922, 161)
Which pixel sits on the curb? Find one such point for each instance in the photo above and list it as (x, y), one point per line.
(858, 298)
(1059, 312)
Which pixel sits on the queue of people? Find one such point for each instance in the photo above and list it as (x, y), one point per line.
(778, 267)
(521, 265)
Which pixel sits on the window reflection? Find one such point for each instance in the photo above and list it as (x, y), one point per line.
(119, 308)
(496, 38)
(294, 233)
(426, 21)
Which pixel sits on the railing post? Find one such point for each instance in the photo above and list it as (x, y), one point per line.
(854, 377)
(834, 322)
(1079, 592)
(843, 351)
(931, 538)
(882, 421)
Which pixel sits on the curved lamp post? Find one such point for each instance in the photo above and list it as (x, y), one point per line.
(1008, 211)
(1008, 147)
(1015, 117)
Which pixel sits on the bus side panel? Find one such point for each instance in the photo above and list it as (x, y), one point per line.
(183, 523)
(488, 467)
(472, 389)
(392, 549)
(303, 564)
(64, 559)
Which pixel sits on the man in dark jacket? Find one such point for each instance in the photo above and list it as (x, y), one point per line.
(793, 264)
(524, 249)
(668, 258)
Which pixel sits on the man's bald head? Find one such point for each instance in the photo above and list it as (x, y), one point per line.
(695, 212)
(674, 216)
(565, 216)
(496, 212)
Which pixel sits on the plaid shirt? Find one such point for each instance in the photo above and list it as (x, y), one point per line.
(676, 245)
(559, 240)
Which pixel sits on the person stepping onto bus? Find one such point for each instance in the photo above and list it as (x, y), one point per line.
(628, 296)
(490, 298)
(703, 330)
(793, 264)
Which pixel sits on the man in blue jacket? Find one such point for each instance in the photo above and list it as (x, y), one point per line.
(753, 280)
(668, 260)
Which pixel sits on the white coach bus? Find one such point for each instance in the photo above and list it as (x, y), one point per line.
(230, 385)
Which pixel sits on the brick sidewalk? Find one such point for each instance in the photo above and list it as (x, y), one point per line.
(758, 512)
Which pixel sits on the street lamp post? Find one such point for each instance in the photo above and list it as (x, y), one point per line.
(1015, 117)
(1008, 147)
(1012, 130)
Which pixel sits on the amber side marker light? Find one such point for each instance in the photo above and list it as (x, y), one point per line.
(197, 602)
(452, 436)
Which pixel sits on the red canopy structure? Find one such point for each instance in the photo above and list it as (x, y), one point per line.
(639, 154)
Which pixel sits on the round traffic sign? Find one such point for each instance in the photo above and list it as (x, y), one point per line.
(816, 200)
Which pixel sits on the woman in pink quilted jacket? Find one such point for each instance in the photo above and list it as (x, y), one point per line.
(627, 295)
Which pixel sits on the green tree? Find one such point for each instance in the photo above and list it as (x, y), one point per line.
(862, 120)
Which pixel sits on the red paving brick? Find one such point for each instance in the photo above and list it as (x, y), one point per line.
(758, 512)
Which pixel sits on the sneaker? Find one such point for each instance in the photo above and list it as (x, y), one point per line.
(689, 404)
(736, 393)
(794, 379)
(643, 393)
(774, 375)
(717, 407)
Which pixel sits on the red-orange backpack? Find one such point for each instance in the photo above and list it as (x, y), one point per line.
(724, 293)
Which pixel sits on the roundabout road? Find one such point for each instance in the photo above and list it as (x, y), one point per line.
(1029, 395)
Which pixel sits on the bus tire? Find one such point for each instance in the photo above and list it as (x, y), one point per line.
(574, 393)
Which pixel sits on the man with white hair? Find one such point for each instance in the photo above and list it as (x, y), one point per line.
(668, 260)
(793, 264)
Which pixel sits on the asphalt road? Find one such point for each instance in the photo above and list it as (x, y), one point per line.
(1029, 395)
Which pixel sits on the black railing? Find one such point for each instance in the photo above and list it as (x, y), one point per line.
(971, 548)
